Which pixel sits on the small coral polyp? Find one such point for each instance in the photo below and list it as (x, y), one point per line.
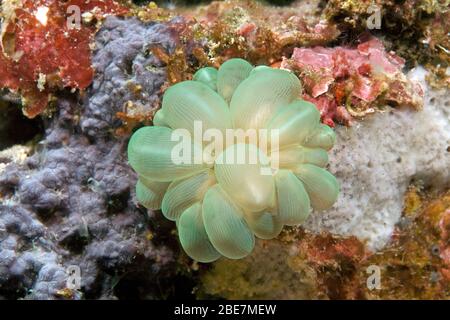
(220, 207)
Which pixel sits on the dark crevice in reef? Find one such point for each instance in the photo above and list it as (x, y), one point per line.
(15, 128)
(135, 284)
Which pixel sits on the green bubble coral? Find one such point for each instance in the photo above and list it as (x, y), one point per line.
(219, 205)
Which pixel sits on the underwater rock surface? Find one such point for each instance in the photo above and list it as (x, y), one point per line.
(72, 203)
(44, 48)
(128, 77)
(303, 265)
(378, 158)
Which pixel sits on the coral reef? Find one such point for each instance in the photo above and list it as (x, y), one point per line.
(69, 201)
(346, 83)
(301, 265)
(44, 49)
(67, 195)
(128, 77)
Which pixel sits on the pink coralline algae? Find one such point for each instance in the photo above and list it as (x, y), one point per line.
(352, 82)
(42, 52)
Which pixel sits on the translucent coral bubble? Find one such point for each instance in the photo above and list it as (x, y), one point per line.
(239, 171)
(295, 122)
(293, 201)
(208, 76)
(259, 68)
(181, 194)
(225, 225)
(159, 119)
(190, 101)
(322, 186)
(150, 153)
(265, 225)
(323, 137)
(193, 236)
(231, 74)
(261, 95)
(292, 156)
(150, 193)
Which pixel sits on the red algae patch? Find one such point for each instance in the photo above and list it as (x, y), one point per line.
(43, 52)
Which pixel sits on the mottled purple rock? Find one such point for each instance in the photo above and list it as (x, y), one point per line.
(122, 60)
(72, 203)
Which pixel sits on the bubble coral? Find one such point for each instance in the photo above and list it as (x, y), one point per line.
(219, 207)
